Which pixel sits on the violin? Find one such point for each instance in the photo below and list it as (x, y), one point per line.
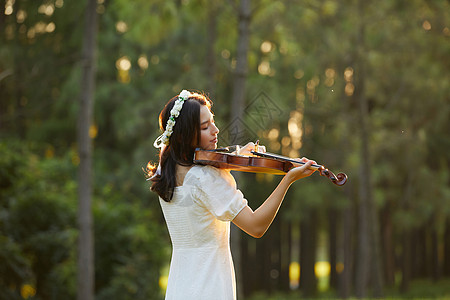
(268, 163)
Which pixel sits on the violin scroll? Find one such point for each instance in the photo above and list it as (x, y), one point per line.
(340, 179)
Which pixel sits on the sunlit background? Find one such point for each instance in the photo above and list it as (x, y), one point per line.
(360, 87)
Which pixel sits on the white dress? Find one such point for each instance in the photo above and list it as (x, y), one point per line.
(198, 218)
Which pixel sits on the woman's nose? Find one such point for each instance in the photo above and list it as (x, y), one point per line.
(215, 129)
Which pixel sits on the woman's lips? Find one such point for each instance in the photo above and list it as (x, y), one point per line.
(214, 141)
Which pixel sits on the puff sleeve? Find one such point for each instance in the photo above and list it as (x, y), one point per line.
(215, 189)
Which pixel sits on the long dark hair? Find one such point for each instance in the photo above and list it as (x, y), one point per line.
(182, 143)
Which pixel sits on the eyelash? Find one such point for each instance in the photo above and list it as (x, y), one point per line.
(213, 122)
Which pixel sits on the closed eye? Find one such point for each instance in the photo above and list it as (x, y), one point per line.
(205, 125)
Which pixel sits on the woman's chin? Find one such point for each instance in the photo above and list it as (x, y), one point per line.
(209, 146)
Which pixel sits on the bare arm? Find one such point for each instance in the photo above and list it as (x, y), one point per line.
(256, 223)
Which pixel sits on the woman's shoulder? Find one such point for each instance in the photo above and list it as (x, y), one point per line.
(207, 172)
(201, 176)
(201, 171)
(209, 175)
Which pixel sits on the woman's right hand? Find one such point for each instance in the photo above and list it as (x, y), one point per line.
(301, 171)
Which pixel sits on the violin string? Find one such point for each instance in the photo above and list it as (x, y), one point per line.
(272, 155)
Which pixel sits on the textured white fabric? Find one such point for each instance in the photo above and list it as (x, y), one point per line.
(198, 218)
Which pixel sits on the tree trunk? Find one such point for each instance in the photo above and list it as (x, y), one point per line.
(363, 252)
(347, 215)
(210, 52)
(241, 71)
(345, 278)
(419, 252)
(285, 247)
(308, 231)
(332, 231)
(238, 104)
(406, 261)
(407, 244)
(85, 290)
(19, 70)
(434, 257)
(388, 245)
(259, 265)
(266, 262)
(247, 266)
(446, 271)
(274, 262)
(2, 14)
(369, 253)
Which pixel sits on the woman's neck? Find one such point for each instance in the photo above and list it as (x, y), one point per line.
(181, 172)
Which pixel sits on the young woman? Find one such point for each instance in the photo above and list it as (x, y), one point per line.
(199, 202)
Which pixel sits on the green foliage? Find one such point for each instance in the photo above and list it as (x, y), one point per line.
(38, 220)
(129, 249)
(39, 233)
(14, 270)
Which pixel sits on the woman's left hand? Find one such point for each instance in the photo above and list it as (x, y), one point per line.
(301, 171)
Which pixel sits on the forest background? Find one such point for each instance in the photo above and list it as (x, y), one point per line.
(359, 86)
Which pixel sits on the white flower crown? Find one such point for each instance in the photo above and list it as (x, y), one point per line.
(163, 139)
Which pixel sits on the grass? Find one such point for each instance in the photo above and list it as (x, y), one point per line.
(418, 289)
